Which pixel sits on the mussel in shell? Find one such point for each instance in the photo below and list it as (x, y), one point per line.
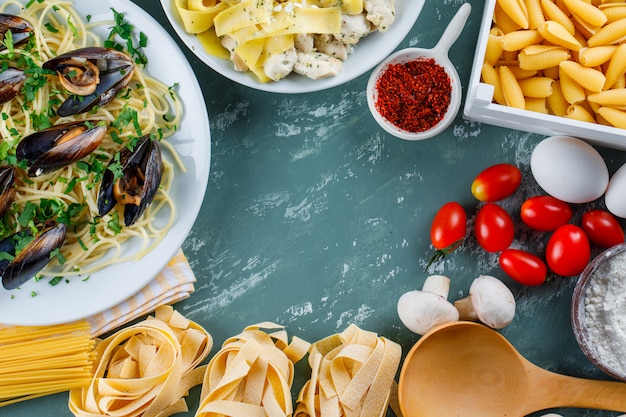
(94, 76)
(7, 188)
(30, 259)
(58, 146)
(11, 82)
(20, 29)
(142, 170)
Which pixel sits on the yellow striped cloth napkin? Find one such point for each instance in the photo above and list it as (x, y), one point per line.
(173, 284)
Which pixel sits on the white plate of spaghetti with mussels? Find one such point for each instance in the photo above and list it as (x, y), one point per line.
(292, 46)
(102, 173)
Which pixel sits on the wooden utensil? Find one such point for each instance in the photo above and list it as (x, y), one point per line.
(466, 369)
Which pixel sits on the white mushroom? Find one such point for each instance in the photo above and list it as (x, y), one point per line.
(422, 310)
(489, 301)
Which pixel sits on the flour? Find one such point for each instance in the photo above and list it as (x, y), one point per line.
(605, 309)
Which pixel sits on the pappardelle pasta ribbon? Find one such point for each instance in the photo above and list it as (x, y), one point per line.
(252, 374)
(146, 369)
(352, 374)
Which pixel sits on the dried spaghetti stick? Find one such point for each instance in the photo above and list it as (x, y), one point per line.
(43, 360)
(145, 369)
(252, 374)
(352, 374)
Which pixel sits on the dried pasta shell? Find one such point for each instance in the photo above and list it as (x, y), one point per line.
(556, 102)
(538, 57)
(586, 11)
(514, 41)
(556, 34)
(535, 13)
(610, 98)
(494, 48)
(610, 34)
(503, 20)
(578, 112)
(555, 13)
(573, 92)
(616, 68)
(513, 95)
(592, 57)
(613, 11)
(536, 104)
(536, 87)
(588, 78)
(613, 116)
(516, 10)
(490, 76)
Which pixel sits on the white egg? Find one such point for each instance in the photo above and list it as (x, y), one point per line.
(569, 169)
(615, 197)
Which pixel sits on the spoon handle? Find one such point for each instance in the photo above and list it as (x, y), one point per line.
(454, 29)
(555, 390)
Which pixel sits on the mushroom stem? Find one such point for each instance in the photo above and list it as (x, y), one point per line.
(466, 309)
(438, 284)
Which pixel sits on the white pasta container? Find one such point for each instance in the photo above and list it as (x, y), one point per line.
(479, 106)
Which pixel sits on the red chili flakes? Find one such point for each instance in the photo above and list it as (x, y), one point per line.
(415, 95)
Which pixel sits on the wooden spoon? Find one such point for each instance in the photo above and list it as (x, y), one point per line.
(466, 369)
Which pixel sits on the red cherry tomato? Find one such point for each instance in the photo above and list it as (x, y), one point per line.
(524, 267)
(602, 228)
(447, 230)
(545, 213)
(494, 228)
(449, 226)
(496, 182)
(568, 251)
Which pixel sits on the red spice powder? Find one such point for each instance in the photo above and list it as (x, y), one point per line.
(415, 95)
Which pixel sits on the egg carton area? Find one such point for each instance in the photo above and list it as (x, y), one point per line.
(480, 107)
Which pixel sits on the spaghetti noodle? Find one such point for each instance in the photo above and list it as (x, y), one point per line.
(43, 360)
(145, 106)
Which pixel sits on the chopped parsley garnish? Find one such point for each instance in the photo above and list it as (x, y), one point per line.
(124, 30)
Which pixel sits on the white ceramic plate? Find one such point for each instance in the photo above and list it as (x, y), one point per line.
(367, 54)
(79, 299)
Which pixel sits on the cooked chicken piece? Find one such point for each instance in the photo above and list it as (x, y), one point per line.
(332, 46)
(316, 65)
(304, 42)
(280, 65)
(380, 12)
(353, 28)
(230, 43)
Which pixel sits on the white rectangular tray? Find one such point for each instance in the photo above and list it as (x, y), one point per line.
(479, 106)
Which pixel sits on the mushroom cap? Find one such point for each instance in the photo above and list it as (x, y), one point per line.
(493, 301)
(420, 311)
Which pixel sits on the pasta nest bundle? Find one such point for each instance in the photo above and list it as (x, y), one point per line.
(566, 58)
(146, 369)
(252, 374)
(352, 374)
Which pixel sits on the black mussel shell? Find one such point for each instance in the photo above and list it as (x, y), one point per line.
(58, 146)
(116, 70)
(20, 28)
(11, 82)
(7, 188)
(142, 169)
(32, 258)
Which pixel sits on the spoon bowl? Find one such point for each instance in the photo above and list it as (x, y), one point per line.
(440, 55)
(467, 369)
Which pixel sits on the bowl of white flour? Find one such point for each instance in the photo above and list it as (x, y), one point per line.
(599, 311)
